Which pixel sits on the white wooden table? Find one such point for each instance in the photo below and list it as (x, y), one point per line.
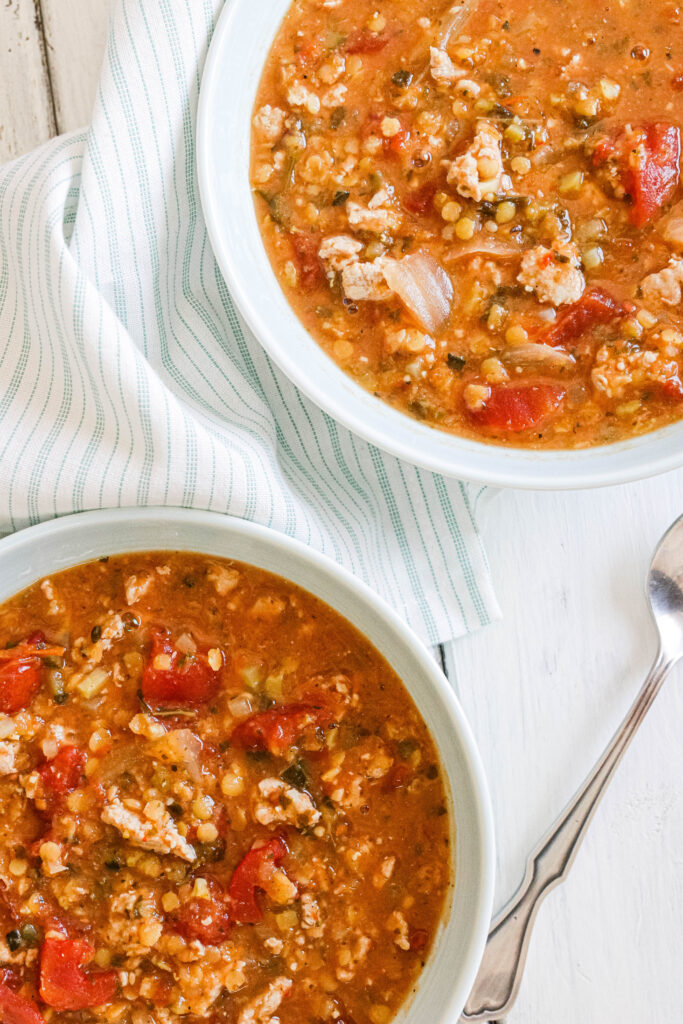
(543, 688)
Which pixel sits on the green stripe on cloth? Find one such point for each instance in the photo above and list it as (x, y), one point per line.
(127, 376)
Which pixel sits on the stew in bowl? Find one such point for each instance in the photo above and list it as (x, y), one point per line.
(475, 209)
(219, 802)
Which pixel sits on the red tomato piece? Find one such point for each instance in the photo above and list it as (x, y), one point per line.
(64, 984)
(252, 873)
(648, 160)
(398, 143)
(278, 729)
(17, 1009)
(393, 146)
(417, 937)
(21, 670)
(420, 200)
(673, 389)
(19, 682)
(207, 920)
(62, 774)
(398, 777)
(518, 407)
(362, 40)
(189, 679)
(306, 255)
(596, 306)
(309, 53)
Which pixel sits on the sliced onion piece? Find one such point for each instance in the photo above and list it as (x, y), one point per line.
(487, 245)
(180, 746)
(454, 19)
(119, 760)
(536, 354)
(671, 227)
(240, 706)
(423, 287)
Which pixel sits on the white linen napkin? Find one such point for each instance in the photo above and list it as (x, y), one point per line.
(128, 378)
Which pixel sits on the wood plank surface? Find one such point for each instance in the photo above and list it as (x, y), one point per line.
(544, 690)
(26, 114)
(75, 37)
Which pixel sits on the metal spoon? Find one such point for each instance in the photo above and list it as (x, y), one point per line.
(500, 973)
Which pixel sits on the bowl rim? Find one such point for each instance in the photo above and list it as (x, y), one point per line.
(346, 401)
(63, 531)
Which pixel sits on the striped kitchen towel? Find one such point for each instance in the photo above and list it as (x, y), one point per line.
(127, 377)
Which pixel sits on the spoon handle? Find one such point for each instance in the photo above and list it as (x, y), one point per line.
(500, 972)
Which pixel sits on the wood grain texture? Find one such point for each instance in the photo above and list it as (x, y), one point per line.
(26, 115)
(75, 37)
(544, 689)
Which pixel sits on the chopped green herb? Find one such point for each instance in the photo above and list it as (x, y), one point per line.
(455, 362)
(29, 935)
(500, 83)
(295, 776)
(406, 748)
(340, 198)
(402, 78)
(258, 755)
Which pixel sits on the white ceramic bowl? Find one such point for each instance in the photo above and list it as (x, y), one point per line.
(452, 965)
(238, 51)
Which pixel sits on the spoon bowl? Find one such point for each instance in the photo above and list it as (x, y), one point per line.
(665, 589)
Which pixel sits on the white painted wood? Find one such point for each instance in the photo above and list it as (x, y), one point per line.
(75, 34)
(26, 117)
(544, 690)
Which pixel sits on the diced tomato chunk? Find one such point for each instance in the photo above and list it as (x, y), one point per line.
(307, 259)
(21, 670)
(62, 774)
(392, 145)
(278, 729)
(418, 937)
(397, 777)
(648, 161)
(398, 143)
(596, 306)
(252, 873)
(19, 682)
(206, 919)
(17, 1009)
(362, 40)
(309, 53)
(64, 985)
(420, 200)
(673, 389)
(174, 677)
(518, 407)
